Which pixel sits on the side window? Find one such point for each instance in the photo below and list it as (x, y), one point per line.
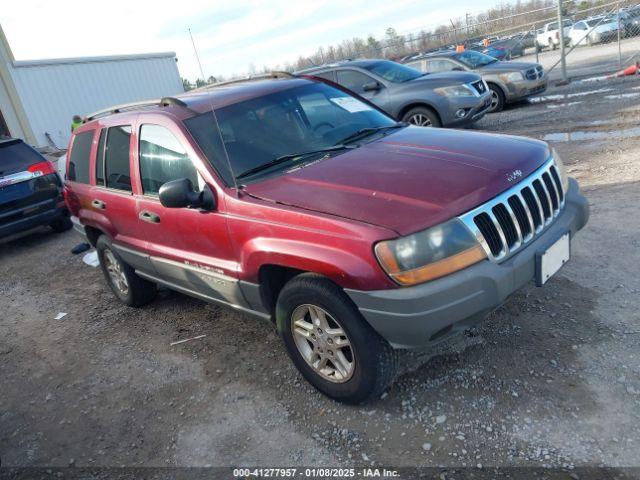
(79, 161)
(162, 159)
(436, 66)
(353, 80)
(327, 75)
(100, 158)
(417, 65)
(116, 158)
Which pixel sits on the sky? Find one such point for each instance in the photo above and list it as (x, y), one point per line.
(229, 36)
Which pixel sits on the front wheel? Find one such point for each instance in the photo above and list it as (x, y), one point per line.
(497, 99)
(330, 343)
(422, 117)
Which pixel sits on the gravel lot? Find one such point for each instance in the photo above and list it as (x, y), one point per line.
(551, 378)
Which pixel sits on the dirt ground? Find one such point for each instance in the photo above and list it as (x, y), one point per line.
(552, 378)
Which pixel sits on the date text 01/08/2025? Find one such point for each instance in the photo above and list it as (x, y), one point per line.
(314, 473)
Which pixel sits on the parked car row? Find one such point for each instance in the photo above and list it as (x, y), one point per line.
(308, 206)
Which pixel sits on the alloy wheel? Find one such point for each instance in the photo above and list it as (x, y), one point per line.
(420, 120)
(323, 343)
(115, 271)
(495, 101)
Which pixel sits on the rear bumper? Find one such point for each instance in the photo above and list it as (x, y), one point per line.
(24, 223)
(416, 316)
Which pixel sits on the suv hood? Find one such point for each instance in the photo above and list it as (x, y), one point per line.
(507, 67)
(409, 180)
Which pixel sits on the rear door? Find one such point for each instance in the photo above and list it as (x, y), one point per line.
(112, 200)
(189, 248)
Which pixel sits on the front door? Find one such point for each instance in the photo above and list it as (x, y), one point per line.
(189, 248)
(357, 81)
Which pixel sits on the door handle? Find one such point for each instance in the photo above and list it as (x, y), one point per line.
(99, 204)
(149, 217)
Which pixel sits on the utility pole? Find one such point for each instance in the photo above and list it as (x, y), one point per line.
(561, 38)
(619, 45)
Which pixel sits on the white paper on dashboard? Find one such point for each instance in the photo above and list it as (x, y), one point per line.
(351, 105)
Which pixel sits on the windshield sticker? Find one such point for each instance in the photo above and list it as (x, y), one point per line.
(351, 104)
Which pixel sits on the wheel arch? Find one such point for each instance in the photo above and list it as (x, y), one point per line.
(403, 111)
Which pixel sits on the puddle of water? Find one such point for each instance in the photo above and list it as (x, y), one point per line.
(581, 135)
(622, 95)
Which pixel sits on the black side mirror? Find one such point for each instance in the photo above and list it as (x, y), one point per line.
(371, 87)
(180, 194)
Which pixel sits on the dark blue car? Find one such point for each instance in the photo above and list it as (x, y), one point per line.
(30, 190)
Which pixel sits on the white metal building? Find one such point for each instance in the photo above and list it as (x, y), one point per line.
(38, 98)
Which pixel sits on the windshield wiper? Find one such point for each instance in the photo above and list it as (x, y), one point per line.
(367, 130)
(290, 156)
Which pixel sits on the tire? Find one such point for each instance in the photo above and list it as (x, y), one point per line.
(497, 99)
(130, 289)
(422, 117)
(373, 362)
(62, 224)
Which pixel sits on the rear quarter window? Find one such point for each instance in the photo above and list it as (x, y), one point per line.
(17, 156)
(79, 161)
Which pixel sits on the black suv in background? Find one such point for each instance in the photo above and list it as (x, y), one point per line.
(30, 190)
(449, 99)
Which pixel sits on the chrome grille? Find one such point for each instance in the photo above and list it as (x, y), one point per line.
(515, 217)
(534, 73)
(479, 86)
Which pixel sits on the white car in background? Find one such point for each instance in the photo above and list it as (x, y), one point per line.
(549, 35)
(593, 30)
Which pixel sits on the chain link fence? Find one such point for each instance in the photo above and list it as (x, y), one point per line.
(593, 39)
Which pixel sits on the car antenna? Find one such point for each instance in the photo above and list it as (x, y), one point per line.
(215, 117)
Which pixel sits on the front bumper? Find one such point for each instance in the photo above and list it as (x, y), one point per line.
(416, 316)
(476, 108)
(526, 88)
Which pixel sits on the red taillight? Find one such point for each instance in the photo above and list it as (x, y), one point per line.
(557, 34)
(45, 168)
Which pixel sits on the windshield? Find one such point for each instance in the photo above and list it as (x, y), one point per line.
(393, 72)
(299, 120)
(474, 59)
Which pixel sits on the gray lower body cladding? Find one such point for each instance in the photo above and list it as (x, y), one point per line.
(415, 316)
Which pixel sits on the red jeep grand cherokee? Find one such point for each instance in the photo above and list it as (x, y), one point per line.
(293, 200)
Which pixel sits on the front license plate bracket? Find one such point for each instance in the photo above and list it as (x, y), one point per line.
(552, 259)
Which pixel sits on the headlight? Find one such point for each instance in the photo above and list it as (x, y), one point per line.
(430, 254)
(512, 77)
(454, 91)
(562, 170)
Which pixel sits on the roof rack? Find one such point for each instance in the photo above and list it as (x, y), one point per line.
(163, 102)
(262, 76)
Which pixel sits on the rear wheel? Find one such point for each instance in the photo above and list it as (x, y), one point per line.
(497, 98)
(330, 343)
(130, 289)
(62, 224)
(422, 117)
